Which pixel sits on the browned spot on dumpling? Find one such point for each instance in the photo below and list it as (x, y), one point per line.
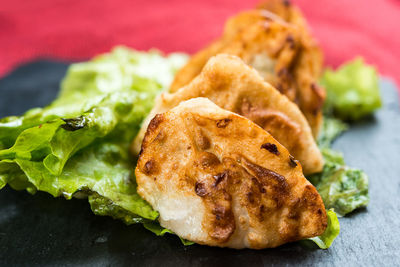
(155, 122)
(208, 160)
(250, 197)
(278, 124)
(271, 148)
(160, 136)
(202, 141)
(224, 223)
(258, 184)
(200, 189)
(220, 177)
(267, 176)
(223, 123)
(150, 167)
(292, 161)
(291, 41)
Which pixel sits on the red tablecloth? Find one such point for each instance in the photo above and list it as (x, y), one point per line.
(79, 29)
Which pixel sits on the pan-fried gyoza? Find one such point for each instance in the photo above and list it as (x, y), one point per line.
(234, 86)
(209, 175)
(279, 47)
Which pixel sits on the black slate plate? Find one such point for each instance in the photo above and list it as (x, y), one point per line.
(41, 230)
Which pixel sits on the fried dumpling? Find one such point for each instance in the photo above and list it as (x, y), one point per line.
(216, 178)
(283, 52)
(234, 86)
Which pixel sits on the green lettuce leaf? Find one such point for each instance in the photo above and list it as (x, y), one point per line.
(352, 90)
(155, 228)
(78, 145)
(325, 240)
(331, 129)
(342, 188)
(86, 85)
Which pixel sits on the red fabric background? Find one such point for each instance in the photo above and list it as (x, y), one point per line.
(79, 29)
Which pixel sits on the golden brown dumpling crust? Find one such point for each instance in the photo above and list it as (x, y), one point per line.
(208, 174)
(279, 46)
(234, 86)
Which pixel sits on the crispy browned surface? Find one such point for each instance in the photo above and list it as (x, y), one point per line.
(279, 46)
(234, 86)
(216, 178)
